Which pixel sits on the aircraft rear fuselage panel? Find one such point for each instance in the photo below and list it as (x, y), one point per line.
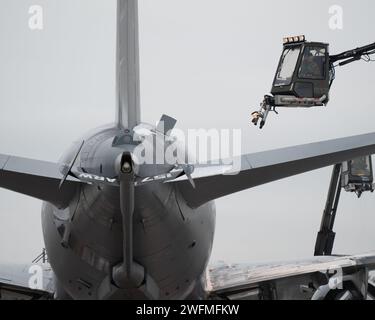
(84, 241)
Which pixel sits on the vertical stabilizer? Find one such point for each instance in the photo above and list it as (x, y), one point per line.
(127, 65)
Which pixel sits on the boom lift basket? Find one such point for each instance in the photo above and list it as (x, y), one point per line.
(303, 72)
(357, 175)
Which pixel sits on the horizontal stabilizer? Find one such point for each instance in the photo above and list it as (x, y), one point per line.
(257, 169)
(37, 179)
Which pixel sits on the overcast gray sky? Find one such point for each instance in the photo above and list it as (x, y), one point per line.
(207, 63)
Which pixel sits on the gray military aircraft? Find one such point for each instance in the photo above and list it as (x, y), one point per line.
(116, 229)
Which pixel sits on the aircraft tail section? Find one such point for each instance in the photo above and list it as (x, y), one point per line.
(127, 65)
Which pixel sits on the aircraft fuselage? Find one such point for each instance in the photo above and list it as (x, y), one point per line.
(84, 241)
